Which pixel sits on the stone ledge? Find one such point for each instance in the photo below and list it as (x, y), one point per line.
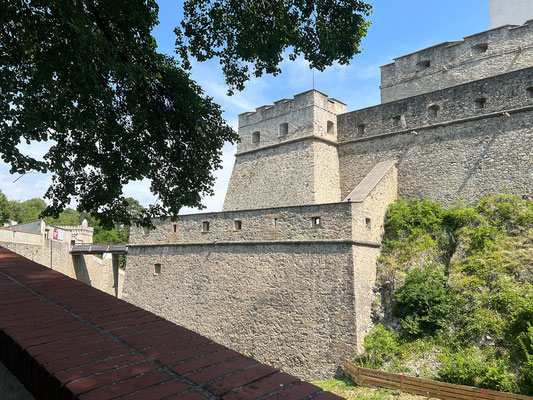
(261, 243)
(66, 340)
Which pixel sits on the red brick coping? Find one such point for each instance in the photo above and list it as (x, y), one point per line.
(66, 340)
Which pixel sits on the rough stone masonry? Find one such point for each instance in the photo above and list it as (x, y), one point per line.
(285, 272)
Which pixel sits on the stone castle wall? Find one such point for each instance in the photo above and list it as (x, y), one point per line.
(465, 152)
(478, 56)
(293, 159)
(288, 289)
(284, 223)
(266, 179)
(288, 305)
(88, 269)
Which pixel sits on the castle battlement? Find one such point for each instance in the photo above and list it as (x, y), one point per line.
(308, 113)
(498, 94)
(285, 106)
(496, 51)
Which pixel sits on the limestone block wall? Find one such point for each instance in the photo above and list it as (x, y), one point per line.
(11, 235)
(267, 179)
(306, 114)
(287, 154)
(326, 178)
(445, 163)
(273, 224)
(288, 305)
(88, 269)
(464, 152)
(501, 93)
(448, 64)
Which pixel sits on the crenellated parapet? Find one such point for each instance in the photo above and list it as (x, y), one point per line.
(308, 113)
(473, 100)
(493, 52)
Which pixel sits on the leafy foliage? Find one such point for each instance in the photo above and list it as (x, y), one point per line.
(246, 32)
(381, 345)
(460, 282)
(423, 302)
(472, 368)
(30, 210)
(86, 76)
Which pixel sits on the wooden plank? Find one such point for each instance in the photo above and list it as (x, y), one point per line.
(425, 387)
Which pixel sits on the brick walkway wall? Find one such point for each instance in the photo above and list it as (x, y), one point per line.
(66, 340)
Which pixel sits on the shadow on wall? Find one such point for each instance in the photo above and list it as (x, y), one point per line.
(80, 269)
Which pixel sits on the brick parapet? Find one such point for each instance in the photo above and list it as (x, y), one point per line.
(65, 340)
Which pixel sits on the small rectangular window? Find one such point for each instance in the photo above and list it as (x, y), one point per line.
(205, 226)
(330, 128)
(157, 269)
(175, 228)
(433, 111)
(274, 222)
(315, 221)
(481, 103)
(361, 129)
(238, 225)
(256, 137)
(284, 129)
(424, 64)
(530, 92)
(368, 223)
(480, 48)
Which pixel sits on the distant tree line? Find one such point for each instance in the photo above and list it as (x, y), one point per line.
(31, 210)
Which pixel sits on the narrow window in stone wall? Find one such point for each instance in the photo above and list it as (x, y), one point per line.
(205, 226)
(238, 224)
(275, 222)
(368, 223)
(315, 222)
(256, 137)
(361, 129)
(433, 111)
(398, 121)
(284, 129)
(331, 128)
(175, 228)
(530, 92)
(422, 65)
(481, 103)
(157, 269)
(480, 48)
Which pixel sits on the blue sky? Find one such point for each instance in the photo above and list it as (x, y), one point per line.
(398, 28)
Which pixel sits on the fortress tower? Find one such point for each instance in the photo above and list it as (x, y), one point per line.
(287, 155)
(510, 12)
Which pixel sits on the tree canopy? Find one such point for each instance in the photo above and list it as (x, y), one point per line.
(86, 77)
(250, 33)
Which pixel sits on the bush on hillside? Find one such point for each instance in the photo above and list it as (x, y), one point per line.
(423, 302)
(381, 346)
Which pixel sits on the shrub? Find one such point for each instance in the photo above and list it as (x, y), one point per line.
(472, 368)
(519, 333)
(409, 217)
(381, 345)
(423, 302)
(526, 378)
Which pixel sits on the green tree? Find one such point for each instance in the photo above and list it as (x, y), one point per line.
(5, 209)
(244, 33)
(86, 76)
(28, 210)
